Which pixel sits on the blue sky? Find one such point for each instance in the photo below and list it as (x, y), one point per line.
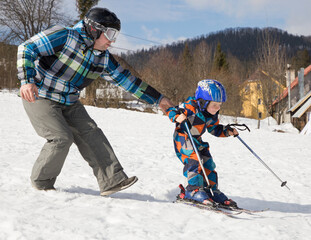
(167, 21)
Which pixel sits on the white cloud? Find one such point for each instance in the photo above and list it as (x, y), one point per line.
(289, 15)
(205, 4)
(126, 43)
(151, 33)
(144, 11)
(237, 8)
(298, 19)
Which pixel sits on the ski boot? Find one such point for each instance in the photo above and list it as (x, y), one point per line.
(197, 195)
(220, 198)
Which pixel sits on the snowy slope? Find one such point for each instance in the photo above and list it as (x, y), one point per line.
(143, 143)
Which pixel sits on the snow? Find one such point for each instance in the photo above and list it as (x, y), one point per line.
(307, 128)
(143, 143)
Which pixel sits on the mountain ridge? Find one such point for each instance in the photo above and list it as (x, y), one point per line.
(242, 43)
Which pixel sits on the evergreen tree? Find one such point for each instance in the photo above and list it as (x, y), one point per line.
(84, 6)
(187, 58)
(220, 60)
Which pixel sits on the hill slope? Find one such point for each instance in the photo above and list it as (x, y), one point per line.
(143, 143)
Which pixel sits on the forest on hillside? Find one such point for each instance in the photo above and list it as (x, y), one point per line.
(231, 56)
(242, 43)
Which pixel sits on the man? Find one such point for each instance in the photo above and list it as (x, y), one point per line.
(53, 67)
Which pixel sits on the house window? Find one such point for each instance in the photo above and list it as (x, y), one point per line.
(259, 101)
(259, 115)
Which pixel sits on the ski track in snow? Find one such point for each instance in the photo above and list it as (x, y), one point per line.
(143, 143)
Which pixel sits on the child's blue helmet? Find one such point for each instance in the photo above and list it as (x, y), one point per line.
(210, 90)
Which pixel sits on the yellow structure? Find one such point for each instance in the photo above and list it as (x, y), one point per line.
(252, 97)
(275, 81)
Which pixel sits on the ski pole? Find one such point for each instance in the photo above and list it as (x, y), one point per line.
(283, 183)
(199, 158)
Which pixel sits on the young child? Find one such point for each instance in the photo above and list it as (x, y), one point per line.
(201, 113)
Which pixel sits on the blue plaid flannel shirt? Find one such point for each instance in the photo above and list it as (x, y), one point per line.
(56, 61)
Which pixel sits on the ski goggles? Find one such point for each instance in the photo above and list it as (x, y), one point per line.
(110, 33)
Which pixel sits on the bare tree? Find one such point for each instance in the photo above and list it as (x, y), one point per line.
(186, 74)
(271, 61)
(21, 19)
(161, 71)
(202, 61)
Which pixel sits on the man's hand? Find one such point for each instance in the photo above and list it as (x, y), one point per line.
(165, 103)
(29, 92)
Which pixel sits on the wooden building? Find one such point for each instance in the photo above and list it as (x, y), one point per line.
(295, 101)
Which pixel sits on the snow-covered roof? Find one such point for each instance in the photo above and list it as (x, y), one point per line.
(300, 102)
(303, 109)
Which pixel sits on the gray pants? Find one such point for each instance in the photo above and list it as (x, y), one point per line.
(62, 125)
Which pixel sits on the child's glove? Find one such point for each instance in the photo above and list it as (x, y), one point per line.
(231, 131)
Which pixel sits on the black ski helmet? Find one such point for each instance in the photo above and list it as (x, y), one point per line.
(97, 18)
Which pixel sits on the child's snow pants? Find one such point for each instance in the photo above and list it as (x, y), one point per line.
(192, 169)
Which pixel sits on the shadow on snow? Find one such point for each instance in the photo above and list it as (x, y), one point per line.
(248, 203)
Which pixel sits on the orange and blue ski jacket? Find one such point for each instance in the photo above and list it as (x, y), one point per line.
(199, 122)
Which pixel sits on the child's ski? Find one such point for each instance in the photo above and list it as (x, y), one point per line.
(210, 207)
(241, 210)
(229, 211)
(213, 206)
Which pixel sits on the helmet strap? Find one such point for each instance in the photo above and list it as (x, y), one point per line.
(202, 104)
(206, 104)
